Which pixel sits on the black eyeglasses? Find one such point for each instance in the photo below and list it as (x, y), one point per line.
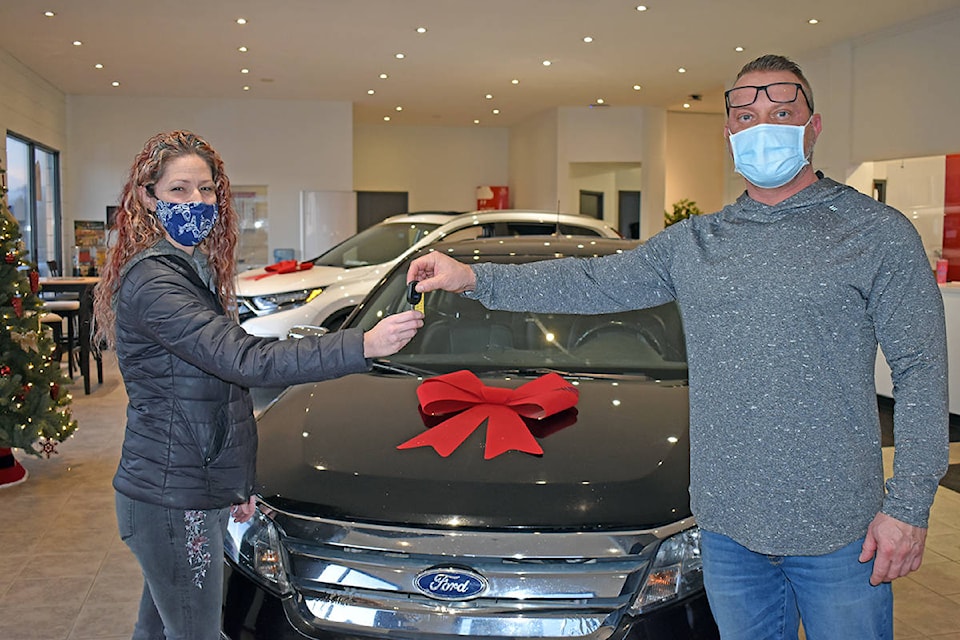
(778, 92)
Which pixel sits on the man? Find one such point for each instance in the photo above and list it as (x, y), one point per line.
(785, 295)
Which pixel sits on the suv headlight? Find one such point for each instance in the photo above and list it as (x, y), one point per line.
(254, 546)
(676, 572)
(277, 301)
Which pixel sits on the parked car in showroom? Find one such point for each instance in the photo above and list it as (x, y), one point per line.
(322, 291)
(361, 533)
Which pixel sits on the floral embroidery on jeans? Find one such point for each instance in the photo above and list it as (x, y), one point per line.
(198, 556)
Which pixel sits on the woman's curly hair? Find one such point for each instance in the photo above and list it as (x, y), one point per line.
(138, 228)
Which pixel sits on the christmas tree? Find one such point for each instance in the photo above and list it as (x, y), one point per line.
(34, 402)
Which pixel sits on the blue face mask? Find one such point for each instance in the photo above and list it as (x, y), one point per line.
(188, 223)
(769, 155)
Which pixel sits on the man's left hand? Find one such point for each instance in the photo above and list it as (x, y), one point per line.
(898, 548)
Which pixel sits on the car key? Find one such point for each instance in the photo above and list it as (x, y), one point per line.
(414, 297)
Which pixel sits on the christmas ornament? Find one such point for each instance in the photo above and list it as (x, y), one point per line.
(17, 303)
(54, 391)
(10, 258)
(4, 371)
(48, 447)
(34, 282)
(27, 341)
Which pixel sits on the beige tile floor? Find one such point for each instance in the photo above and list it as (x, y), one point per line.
(67, 576)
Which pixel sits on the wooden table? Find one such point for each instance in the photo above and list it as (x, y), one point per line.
(83, 287)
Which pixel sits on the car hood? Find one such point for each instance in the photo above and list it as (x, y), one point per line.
(619, 460)
(258, 282)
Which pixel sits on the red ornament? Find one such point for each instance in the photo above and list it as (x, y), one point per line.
(34, 282)
(4, 371)
(17, 303)
(54, 391)
(10, 258)
(48, 447)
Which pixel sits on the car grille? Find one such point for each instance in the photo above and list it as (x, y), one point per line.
(360, 579)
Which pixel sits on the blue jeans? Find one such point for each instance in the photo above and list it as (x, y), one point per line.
(754, 596)
(181, 557)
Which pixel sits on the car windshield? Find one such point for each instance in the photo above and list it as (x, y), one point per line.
(460, 333)
(375, 245)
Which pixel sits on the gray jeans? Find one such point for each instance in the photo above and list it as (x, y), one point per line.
(181, 557)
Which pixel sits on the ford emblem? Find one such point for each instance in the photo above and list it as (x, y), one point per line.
(451, 583)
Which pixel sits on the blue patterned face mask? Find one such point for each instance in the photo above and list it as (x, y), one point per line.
(188, 223)
(769, 155)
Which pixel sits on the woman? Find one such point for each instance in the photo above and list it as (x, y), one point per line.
(166, 303)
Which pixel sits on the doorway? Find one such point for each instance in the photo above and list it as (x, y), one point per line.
(629, 213)
(374, 206)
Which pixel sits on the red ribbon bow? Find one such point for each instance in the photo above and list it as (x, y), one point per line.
(504, 410)
(284, 266)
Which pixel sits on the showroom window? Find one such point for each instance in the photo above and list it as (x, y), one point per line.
(33, 182)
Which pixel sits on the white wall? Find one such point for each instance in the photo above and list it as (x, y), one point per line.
(533, 163)
(439, 167)
(30, 106)
(289, 146)
(695, 159)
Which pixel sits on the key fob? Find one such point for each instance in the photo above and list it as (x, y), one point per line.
(413, 296)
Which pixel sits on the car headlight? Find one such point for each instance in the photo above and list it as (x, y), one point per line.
(676, 572)
(254, 546)
(277, 301)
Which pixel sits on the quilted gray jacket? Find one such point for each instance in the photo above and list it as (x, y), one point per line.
(191, 438)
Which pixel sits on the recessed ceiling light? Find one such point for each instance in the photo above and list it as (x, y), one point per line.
(98, 66)
(399, 108)
(738, 49)
(77, 43)
(244, 70)
(421, 29)
(514, 81)
(637, 87)
(641, 7)
(686, 105)
(588, 39)
(386, 118)
(813, 21)
(242, 49)
(246, 87)
(241, 21)
(476, 122)
(599, 100)
(495, 112)
(489, 96)
(547, 63)
(115, 83)
(49, 14)
(400, 56)
(384, 76)
(681, 70)
(370, 92)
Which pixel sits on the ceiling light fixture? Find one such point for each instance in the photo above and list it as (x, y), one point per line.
(242, 49)
(98, 66)
(600, 101)
(813, 21)
(384, 76)
(77, 43)
(49, 14)
(244, 70)
(489, 96)
(370, 92)
(115, 83)
(588, 39)
(686, 105)
(476, 122)
(400, 56)
(641, 7)
(637, 87)
(681, 70)
(386, 118)
(421, 29)
(246, 87)
(495, 112)
(514, 81)
(241, 21)
(399, 108)
(547, 63)
(738, 49)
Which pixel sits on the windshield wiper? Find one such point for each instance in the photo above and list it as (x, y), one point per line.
(403, 369)
(580, 375)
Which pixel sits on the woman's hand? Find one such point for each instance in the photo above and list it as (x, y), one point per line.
(243, 512)
(439, 271)
(391, 334)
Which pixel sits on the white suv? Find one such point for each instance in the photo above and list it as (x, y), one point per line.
(274, 299)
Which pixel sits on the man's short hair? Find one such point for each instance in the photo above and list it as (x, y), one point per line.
(773, 62)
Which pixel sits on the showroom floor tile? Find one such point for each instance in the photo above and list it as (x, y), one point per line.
(67, 576)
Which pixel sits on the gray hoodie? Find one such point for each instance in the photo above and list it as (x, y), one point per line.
(783, 308)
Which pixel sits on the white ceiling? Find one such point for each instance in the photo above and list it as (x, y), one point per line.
(335, 49)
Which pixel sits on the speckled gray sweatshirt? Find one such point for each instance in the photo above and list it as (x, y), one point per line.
(783, 307)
